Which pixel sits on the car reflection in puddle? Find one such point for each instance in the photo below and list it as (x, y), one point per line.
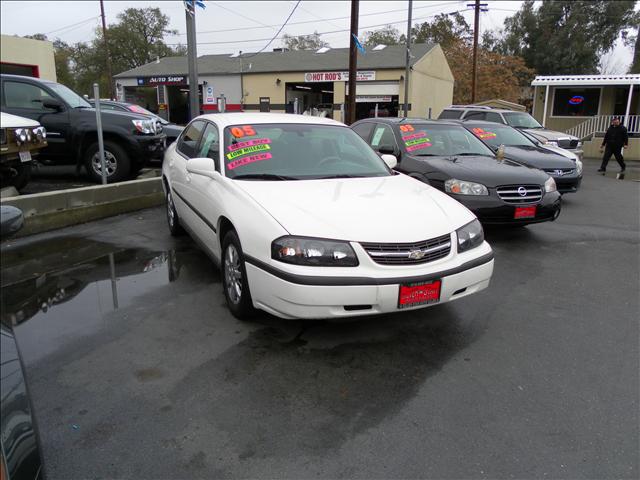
(66, 287)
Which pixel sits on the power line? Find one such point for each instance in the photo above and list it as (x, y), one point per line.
(243, 16)
(320, 33)
(73, 25)
(315, 21)
(278, 33)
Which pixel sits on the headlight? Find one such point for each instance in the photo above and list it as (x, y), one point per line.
(470, 236)
(553, 143)
(145, 126)
(550, 185)
(21, 136)
(465, 188)
(313, 252)
(578, 167)
(579, 145)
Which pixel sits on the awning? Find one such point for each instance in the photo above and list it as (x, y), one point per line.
(580, 80)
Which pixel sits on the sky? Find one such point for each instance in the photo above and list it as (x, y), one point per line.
(249, 25)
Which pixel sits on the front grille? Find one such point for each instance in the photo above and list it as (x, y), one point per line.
(568, 143)
(559, 172)
(409, 253)
(518, 194)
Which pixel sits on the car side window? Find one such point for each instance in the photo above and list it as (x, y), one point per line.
(383, 135)
(24, 95)
(450, 114)
(493, 117)
(364, 130)
(189, 139)
(210, 145)
(475, 116)
(106, 106)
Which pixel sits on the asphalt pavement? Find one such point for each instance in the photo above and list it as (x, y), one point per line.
(138, 370)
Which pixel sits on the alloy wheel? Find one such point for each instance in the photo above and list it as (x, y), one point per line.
(110, 161)
(233, 274)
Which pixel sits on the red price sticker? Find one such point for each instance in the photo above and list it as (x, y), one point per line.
(242, 131)
(406, 128)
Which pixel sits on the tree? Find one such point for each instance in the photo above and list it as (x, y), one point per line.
(565, 36)
(304, 42)
(62, 53)
(445, 29)
(388, 35)
(635, 65)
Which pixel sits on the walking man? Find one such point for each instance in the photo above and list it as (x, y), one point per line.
(615, 138)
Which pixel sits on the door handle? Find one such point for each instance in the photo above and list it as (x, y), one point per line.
(188, 178)
(171, 163)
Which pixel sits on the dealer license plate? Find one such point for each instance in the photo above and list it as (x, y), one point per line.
(25, 156)
(525, 212)
(413, 294)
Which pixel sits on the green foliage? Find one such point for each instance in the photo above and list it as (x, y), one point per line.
(388, 35)
(304, 42)
(135, 39)
(565, 36)
(445, 29)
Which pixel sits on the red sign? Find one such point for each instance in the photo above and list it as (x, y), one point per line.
(419, 294)
(525, 212)
(338, 76)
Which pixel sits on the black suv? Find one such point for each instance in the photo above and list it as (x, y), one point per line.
(130, 140)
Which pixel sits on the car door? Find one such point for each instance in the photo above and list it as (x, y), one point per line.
(204, 193)
(26, 100)
(186, 148)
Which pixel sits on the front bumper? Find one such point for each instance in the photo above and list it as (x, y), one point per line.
(491, 210)
(568, 184)
(291, 295)
(151, 147)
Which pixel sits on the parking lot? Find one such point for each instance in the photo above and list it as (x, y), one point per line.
(137, 369)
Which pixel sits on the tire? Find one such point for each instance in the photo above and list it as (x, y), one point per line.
(118, 163)
(20, 180)
(172, 217)
(234, 278)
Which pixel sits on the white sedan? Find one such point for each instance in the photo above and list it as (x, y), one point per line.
(307, 221)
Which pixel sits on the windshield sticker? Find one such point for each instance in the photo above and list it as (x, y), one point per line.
(418, 144)
(246, 160)
(414, 135)
(248, 143)
(242, 131)
(406, 128)
(377, 137)
(483, 134)
(247, 150)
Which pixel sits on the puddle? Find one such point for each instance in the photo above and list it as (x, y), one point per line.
(58, 290)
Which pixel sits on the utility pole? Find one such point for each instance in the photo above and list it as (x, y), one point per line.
(353, 63)
(476, 30)
(407, 67)
(106, 47)
(192, 57)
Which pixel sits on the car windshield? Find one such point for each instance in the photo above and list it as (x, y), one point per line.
(431, 140)
(298, 151)
(521, 120)
(70, 97)
(496, 135)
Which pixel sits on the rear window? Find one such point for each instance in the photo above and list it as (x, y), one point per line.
(450, 114)
(298, 151)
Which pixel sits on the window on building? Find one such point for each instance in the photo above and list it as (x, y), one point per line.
(576, 102)
(189, 140)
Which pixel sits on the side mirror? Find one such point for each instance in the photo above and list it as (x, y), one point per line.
(202, 166)
(52, 103)
(387, 150)
(390, 160)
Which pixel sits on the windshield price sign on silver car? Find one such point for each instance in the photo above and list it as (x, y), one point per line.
(307, 221)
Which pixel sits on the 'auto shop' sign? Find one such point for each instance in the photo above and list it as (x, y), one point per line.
(163, 80)
(363, 76)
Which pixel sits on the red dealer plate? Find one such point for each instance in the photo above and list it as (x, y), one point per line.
(525, 212)
(413, 294)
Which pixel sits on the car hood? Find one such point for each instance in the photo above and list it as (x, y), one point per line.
(489, 171)
(13, 121)
(538, 157)
(545, 134)
(375, 209)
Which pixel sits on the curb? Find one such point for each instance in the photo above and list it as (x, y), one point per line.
(63, 208)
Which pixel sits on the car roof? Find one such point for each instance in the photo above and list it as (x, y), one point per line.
(480, 122)
(481, 108)
(402, 120)
(25, 77)
(225, 119)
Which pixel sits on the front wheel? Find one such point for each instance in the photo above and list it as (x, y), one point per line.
(172, 217)
(234, 278)
(117, 163)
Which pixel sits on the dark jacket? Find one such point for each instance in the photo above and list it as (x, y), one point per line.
(616, 136)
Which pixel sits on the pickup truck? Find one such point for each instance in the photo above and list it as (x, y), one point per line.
(130, 140)
(20, 140)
